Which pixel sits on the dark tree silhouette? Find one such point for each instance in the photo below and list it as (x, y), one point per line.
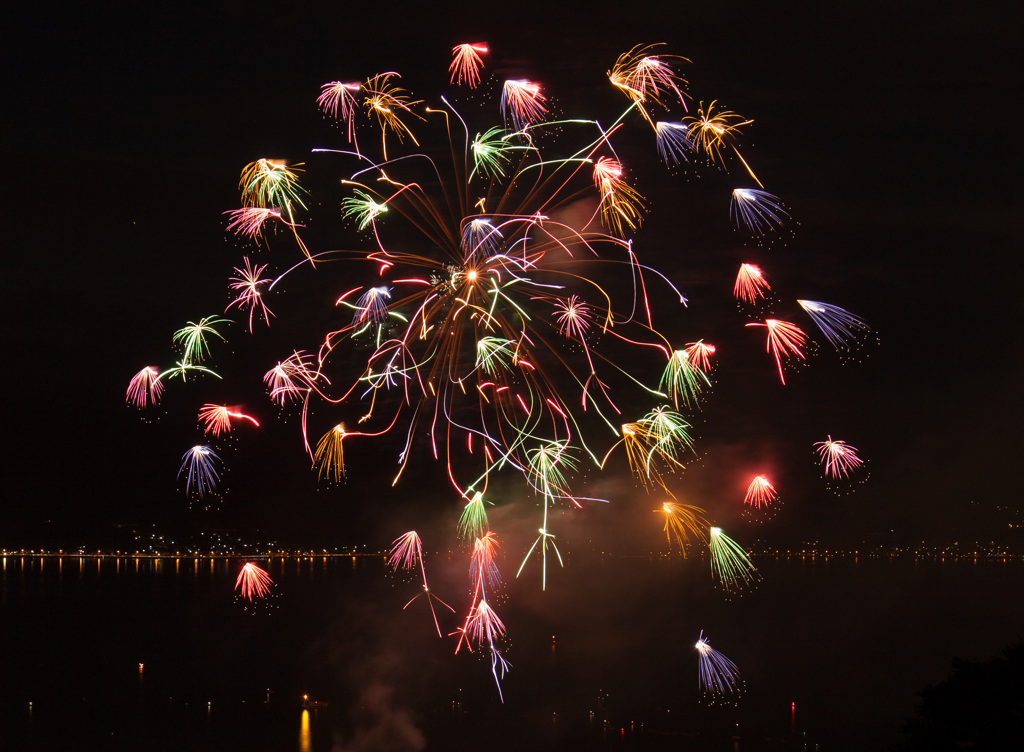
(979, 707)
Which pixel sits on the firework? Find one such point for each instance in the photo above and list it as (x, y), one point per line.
(494, 353)
(758, 211)
(760, 492)
(699, 353)
(193, 338)
(330, 455)
(473, 520)
(682, 521)
(461, 328)
(718, 675)
(522, 101)
(545, 474)
(483, 573)
(499, 314)
(479, 236)
(247, 283)
(673, 142)
(839, 327)
(338, 100)
(145, 387)
(492, 151)
(371, 307)
(466, 64)
(661, 434)
(387, 101)
(713, 131)
(218, 418)
(406, 552)
(838, 458)
(643, 77)
(729, 562)
(482, 624)
(292, 378)
(268, 187)
(253, 582)
(683, 376)
(362, 208)
(486, 626)
(784, 341)
(750, 284)
(200, 467)
(249, 220)
(669, 431)
(620, 204)
(270, 184)
(482, 565)
(573, 316)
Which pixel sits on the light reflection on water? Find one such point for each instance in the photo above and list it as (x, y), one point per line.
(305, 737)
(610, 617)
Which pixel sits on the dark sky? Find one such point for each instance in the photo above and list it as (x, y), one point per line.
(890, 132)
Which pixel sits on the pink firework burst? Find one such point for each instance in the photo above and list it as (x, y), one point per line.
(292, 378)
(247, 283)
(338, 100)
(838, 457)
(145, 387)
(406, 550)
(482, 565)
(253, 581)
(573, 316)
(521, 100)
(249, 220)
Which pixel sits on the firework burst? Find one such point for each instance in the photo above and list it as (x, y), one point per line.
(200, 467)
(837, 457)
(750, 284)
(466, 64)
(338, 99)
(145, 387)
(785, 340)
(217, 418)
(729, 562)
(406, 553)
(253, 582)
(840, 327)
(758, 211)
(523, 102)
(247, 284)
(489, 312)
(682, 521)
(718, 675)
(760, 492)
(714, 131)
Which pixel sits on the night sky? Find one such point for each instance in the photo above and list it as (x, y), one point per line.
(890, 132)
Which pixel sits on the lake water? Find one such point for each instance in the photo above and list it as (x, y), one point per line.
(603, 659)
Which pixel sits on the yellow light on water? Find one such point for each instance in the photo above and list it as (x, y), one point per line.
(305, 737)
